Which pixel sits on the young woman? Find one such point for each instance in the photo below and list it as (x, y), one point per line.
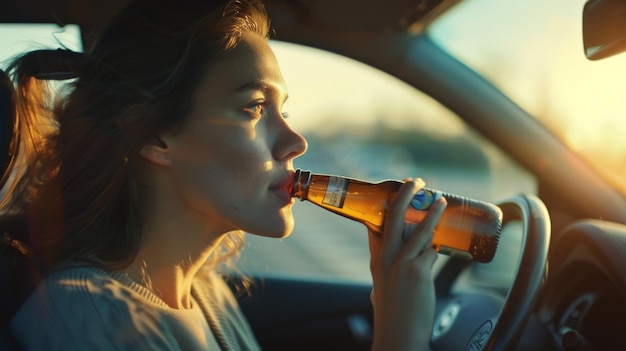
(143, 175)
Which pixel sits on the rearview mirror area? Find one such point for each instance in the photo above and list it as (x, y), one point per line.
(604, 28)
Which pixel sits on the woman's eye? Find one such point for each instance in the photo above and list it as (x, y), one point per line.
(256, 110)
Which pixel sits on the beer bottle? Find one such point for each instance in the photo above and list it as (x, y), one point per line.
(468, 228)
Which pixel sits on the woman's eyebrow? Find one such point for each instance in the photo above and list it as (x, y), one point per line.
(263, 86)
(255, 85)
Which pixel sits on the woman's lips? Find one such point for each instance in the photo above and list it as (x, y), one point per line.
(283, 189)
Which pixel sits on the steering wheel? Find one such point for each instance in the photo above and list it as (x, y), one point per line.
(478, 321)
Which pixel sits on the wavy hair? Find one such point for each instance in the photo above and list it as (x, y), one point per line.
(72, 176)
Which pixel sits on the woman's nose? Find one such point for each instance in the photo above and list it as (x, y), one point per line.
(289, 144)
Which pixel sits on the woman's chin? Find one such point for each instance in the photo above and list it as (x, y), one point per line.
(278, 232)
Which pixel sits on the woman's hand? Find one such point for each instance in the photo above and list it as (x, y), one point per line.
(404, 292)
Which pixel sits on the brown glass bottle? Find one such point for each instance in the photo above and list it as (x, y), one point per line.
(468, 228)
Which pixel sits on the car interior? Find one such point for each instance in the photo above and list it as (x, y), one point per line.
(567, 288)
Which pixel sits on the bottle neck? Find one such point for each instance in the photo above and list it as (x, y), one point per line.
(301, 182)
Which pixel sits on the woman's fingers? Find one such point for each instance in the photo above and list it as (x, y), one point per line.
(394, 221)
(421, 236)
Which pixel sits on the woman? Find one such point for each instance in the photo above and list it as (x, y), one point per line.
(144, 175)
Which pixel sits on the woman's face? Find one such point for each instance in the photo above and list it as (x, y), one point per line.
(232, 164)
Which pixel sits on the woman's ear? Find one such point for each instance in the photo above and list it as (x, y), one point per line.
(157, 152)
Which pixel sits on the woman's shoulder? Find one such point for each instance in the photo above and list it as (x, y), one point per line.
(81, 289)
(84, 285)
(68, 287)
(82, 304)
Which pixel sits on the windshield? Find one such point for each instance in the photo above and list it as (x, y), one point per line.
(533, 51)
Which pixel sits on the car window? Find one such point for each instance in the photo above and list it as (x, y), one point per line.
(363, 123)
(18, 38)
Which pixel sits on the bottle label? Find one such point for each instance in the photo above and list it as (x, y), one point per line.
(335, 192)
(424, 198)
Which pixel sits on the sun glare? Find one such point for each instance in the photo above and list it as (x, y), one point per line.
(544, 69)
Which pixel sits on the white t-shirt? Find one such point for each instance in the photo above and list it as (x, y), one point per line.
(88, 308)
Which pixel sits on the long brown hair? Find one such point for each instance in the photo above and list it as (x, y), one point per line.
(72, 177)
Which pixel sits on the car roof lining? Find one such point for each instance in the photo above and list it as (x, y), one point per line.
(373, 14)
